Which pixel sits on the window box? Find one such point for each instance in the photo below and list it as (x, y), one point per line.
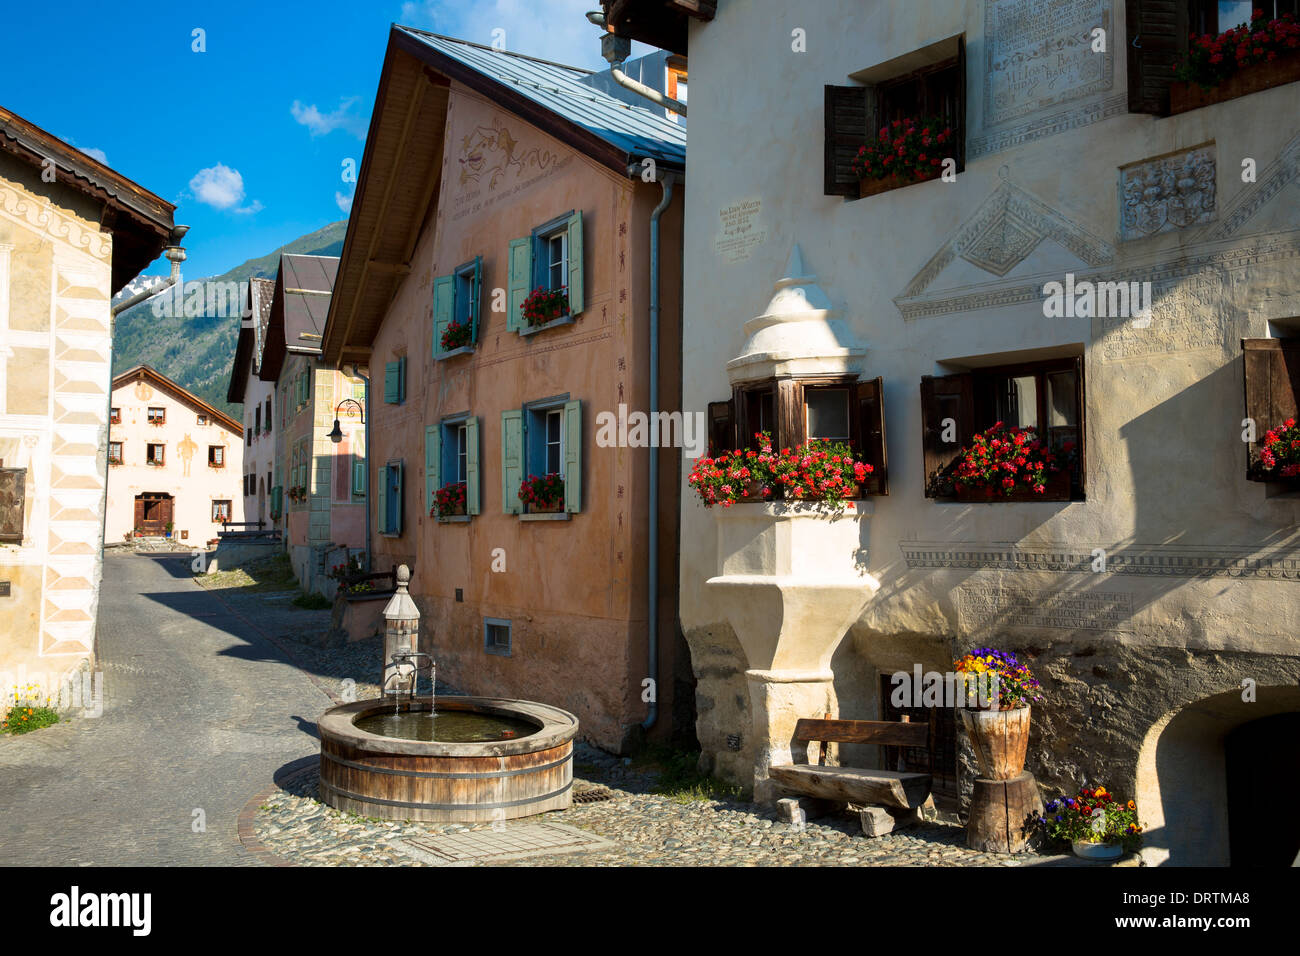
(463, 350)
(534, 329)
(873, 187)
(1187, 95)
(1058, 489)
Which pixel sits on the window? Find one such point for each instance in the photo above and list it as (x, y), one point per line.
(115, 453)
(1045, 396)
(390, 498)
(1272, 375)
(1217, 16)
(793, 411)
(257, 419)
(216, 456)
(676, 89)
(932, 84)
(202, 419)
(550, 258)
(13, 504)
(267, 418)
(155, 455)
(496, 636)
(395, 382)
(451, 456)
(456, 299)
(115, 416)
(157, 416)
(221, 510)
(543, 438)
(358, 465)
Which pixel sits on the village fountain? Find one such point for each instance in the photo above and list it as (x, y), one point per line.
(401, 756)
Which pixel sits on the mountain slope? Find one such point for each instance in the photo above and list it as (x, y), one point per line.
(197, 352)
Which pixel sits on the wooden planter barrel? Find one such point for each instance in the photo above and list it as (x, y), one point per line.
(1000, 739)
(396, 779)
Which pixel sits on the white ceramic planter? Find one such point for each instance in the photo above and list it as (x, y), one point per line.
(1098, 851)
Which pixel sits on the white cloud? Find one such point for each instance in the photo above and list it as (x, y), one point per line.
(93, 153)
(221, 187)
(321, 124)
(345, 202)
(557, 30)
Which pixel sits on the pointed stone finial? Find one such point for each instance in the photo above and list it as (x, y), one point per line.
(400, 606)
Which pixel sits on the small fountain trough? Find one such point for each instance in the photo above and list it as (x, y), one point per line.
(453, 759)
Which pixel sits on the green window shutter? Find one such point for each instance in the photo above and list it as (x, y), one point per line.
(432, 458)
(397, 498)
(358, 477)
(401, 380)
(476, 299)
(473, 490)
(573, 457)
(381, 475)
(577, 301)
(390, 383)
(521, 277)
(512, 460)
(444, 302)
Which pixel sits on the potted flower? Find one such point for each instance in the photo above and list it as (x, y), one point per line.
(542, 494)
(1002, 689)
(813, 471)
(545, 305)
(1094, 823)
(456, 335)
(170, 526)
(449, 500)
(906, 151)
(1279, 459)
(1010, 464)
(1245, 59)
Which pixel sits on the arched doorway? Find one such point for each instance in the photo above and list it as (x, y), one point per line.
(1205, 772)
(1262, 759)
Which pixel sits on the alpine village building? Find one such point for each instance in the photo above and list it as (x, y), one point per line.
(73, 232)
(174, 462)
(488, 179)
(1154, 587)
(258, 398)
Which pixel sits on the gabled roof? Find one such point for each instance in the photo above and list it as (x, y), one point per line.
(178, 391)
(252, 337)
(401, 169)
(141, 222)
(299, 306)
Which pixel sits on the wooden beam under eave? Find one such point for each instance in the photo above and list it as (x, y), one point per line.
(389, 268)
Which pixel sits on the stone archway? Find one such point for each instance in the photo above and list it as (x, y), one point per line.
(1185, 794)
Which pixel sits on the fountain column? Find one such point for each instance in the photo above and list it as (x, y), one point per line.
(401, 636)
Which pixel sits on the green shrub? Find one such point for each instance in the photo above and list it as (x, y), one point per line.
(313, 602)
(22, 720)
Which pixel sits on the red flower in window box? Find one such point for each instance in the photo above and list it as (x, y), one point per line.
(1244, 59)
(912, 151)
(815, 471)
(1279, 459)
(545, 305)
(456, 335)
(449, 500)
(1008, 461)
(542, 493)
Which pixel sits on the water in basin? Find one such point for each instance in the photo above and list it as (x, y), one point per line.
(445, 726)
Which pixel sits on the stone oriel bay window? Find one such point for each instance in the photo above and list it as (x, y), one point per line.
(929, 82)
(542, 438)
(549, 259)
(1047, 396)
(1271, 370)
(456, 306)
(451, 456)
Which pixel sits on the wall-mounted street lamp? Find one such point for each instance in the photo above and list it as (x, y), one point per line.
(336, 435)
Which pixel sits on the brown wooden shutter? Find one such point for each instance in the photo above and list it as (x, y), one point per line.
(943, 397)
(961, 104)
(871, 435)
(722, 427)
(1156, 40)
(1272, 379)
(13, 501)
(847, 109)
(1080, 402)
(790, 417)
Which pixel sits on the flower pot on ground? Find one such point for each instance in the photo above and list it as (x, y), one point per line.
(1097, 851)
(542, 494)
(1095, 824)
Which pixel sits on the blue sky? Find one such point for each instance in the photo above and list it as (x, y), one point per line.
(248, 138)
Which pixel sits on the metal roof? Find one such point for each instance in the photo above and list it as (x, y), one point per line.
(308, 282)
(637, 130)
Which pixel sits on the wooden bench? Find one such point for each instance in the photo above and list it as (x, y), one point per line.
(901, 794)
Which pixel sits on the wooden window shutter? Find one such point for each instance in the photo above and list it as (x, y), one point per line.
(790, 415)
(573, 457)
(512, 460)
(847, 125)
(960, 125)
(473, 484)
(947, 405)
(1272, 380)
(871, 435)
(476, 299)
(722, 426)
(444, 304)
(13, 503)
(395, 518)
(577, 300)
(520, 280)
(358, 477)
(432, 459)
(1155, 41)
(390, 383)
(382, 503)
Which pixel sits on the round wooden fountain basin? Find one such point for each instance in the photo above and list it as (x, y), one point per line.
(397, 779)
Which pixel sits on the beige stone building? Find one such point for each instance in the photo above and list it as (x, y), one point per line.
(72, 233)
(175, 463)
(1156, 590)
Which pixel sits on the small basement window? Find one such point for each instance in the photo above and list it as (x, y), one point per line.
(496, 636)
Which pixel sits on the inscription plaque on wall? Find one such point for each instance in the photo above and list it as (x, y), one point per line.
(1188, 314)
(1039, 53)
(995, 607)
(739, 230)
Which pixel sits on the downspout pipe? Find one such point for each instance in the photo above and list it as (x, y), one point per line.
(652, 574)
(366, 379)
(649, 92)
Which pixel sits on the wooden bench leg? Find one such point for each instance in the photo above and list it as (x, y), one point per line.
(877, 821)
(799, 810)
